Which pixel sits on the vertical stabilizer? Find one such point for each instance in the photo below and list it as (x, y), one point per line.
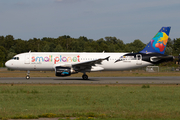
(158, 42)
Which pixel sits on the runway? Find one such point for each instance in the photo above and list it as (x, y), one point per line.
(92, 80)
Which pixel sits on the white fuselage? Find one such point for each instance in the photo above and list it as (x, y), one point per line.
(49, 60)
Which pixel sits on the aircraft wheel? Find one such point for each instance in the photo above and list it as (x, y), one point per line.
(85, 77)
(27, 77)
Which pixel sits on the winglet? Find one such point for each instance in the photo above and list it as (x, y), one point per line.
(158, 42)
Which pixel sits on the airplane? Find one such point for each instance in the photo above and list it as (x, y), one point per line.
(67, 63)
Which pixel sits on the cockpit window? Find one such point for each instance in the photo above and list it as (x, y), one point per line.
(15, 58)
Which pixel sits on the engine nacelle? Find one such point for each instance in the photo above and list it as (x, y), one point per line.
(62, 71)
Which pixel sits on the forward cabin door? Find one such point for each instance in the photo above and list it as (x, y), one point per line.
(138, 59)
(27, 58)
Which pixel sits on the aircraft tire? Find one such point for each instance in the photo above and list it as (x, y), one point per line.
(85, 77)
(27, 77)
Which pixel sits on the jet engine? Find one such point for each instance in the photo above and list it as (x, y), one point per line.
(64, 71)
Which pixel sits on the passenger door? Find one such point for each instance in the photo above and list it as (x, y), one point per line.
(27, 59)
(138, 59)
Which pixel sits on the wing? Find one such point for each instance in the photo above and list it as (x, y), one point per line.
(84, 66)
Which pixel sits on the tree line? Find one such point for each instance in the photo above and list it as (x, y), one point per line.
(10, 46)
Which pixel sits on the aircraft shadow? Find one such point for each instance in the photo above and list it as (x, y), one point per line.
(74, 79)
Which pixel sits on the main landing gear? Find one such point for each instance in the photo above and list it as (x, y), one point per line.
(85, 77)
(28, 73)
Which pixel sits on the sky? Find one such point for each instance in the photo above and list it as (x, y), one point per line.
(126, 20)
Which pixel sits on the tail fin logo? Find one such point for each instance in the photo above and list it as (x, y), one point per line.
(159, 41)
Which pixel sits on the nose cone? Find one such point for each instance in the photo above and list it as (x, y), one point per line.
(7, 64)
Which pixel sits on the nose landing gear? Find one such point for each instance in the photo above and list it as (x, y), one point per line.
(28, 75)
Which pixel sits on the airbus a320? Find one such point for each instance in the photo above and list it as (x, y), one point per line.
(67, 63)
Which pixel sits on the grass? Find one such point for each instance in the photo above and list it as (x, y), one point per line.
(90, 101)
